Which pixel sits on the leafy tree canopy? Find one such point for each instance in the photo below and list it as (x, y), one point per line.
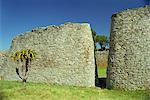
(102, 40)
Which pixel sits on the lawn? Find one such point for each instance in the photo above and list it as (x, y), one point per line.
(12, 90)
(102, 72)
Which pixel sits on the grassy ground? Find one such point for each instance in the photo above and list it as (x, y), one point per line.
(101, 72)
(11, 90)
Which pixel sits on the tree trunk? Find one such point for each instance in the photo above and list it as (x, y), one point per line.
(102, 45)
(25, 71)
(17, 71)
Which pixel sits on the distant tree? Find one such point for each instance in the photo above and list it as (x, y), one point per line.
(102, 40)
(23, 57)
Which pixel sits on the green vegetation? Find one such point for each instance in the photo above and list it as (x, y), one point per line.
(11, 90)
(101, 72)
(24, 57)
(102, 40)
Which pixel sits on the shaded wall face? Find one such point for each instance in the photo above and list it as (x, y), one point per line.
(65, 55)
(129, 56)
(102, 58)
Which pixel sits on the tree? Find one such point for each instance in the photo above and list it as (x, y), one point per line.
(23, 57)
(102, 40)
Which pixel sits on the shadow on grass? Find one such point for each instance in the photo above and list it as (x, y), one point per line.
(2, 96)
(148, 96)
(101, 83)
(2, 93)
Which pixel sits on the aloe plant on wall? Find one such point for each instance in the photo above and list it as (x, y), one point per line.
(24, 58)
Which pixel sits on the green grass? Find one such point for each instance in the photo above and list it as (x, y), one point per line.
(11, 90)
(101, 71)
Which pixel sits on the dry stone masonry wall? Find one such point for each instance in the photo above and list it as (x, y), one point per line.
(102, 58)
(129, 56)
(3, 56)
(65, 55)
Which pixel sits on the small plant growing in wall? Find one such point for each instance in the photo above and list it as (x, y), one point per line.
(24, 59)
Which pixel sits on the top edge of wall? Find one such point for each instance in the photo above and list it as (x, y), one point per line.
(131, 10)
(66, 23)
(55, 26)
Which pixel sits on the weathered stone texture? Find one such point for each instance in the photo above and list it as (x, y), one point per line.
(2, 59)
(102, 58)
(65, 55)
(129, 56)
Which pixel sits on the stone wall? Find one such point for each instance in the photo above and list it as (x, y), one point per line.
(102, 58)
(129, 56)
(3, 56)
(65, 55)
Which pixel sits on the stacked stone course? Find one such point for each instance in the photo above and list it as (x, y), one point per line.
(65, 55)
(129, 56)
(102, 58)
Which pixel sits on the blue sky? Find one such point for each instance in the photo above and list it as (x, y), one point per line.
(18, 16)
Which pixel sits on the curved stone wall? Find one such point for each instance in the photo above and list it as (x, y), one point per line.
(3, 56)
(65, 55)
(129, 56)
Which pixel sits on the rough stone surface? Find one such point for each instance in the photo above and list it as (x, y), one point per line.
(3, 56)
(129, 56)
(102, 58)
(65, 55)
